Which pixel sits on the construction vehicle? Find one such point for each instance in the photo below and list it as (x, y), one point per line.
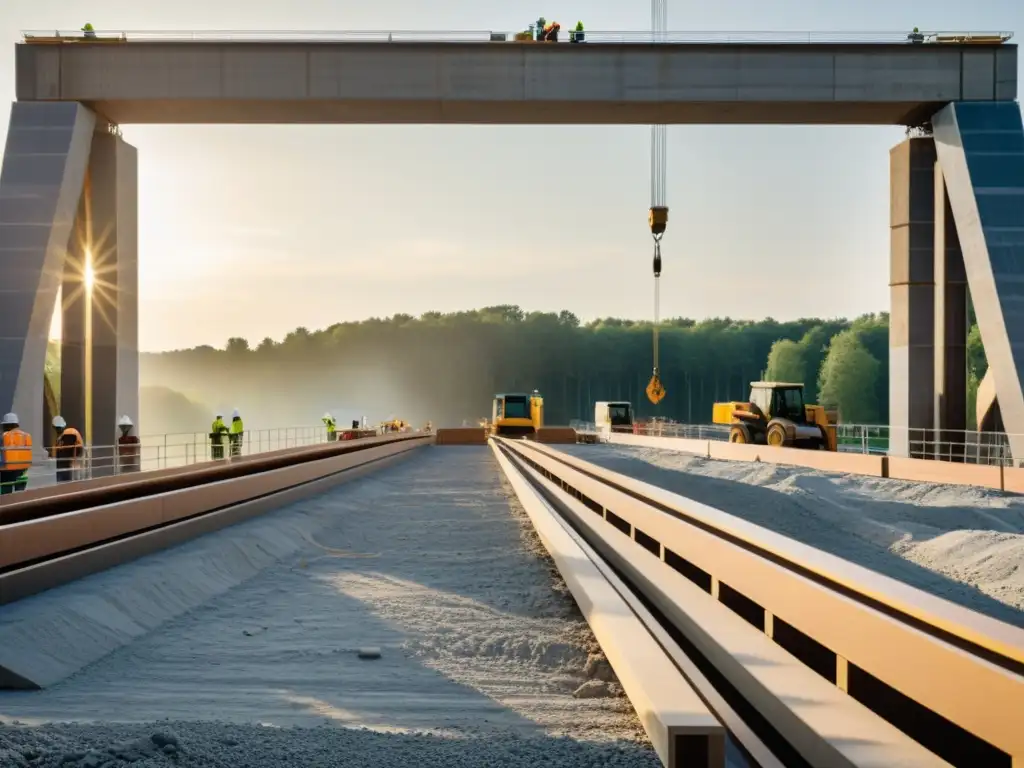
(776, 415)
(516, 415)
(613, 417)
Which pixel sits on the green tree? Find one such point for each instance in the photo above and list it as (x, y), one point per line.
(849, 379)
(785, 362)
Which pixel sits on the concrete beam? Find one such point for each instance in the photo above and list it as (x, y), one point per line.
(759, 575)
(513, 83)
(682, 729)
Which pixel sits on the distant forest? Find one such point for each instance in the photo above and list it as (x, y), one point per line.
(447, 367)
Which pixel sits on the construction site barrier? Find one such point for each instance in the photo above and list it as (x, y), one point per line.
(1008, 479)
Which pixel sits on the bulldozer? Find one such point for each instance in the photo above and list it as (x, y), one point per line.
(516, 415)
(776, 415)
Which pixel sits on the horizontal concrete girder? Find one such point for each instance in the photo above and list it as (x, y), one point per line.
(513, 83)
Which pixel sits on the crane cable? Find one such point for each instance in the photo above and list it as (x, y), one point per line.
(658, 215)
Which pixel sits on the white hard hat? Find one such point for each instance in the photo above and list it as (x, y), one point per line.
(125, 421)
(59, 423)
(10, 419)
(235, 414)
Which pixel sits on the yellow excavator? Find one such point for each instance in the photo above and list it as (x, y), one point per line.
(776, 415)
(516, 415)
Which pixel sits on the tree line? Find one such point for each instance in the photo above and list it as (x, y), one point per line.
(447, 367)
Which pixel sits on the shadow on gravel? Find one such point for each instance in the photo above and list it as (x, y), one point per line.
(216, 745)
(844, 523)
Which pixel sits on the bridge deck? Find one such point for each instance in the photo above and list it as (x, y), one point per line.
(331, 81)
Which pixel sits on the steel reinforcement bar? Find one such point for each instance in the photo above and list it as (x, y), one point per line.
(833, 664)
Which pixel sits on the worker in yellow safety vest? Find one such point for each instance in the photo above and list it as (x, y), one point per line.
(89, 32)
(217, 431)
(237, 430)
(15, 455)
(332, 427)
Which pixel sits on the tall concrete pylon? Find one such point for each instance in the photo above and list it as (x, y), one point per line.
(68, 185)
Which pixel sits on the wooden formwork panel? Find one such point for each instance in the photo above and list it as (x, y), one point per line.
(556, 435)
(462, 436)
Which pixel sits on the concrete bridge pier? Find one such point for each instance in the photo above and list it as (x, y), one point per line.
(68, 197)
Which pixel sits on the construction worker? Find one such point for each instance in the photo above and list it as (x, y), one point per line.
(88, 32)
(237, 430)
(332, 427)
(129, 447)
(550, 34)
(15, 455)
(217, 432)
(68, 450)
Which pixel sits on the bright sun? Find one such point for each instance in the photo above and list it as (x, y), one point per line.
(90, 278)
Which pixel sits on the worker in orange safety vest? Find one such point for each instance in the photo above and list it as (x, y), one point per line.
(68, 449)
(128, 447)
(551, 30)
(15, 455)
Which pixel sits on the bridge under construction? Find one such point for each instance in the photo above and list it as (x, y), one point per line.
(398, 583)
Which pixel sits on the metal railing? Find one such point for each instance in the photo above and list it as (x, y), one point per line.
(155, 452)
(963, 446)
(482, 36)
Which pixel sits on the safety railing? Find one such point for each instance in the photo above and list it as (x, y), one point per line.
(963, 446)
(155, 452)
(480, 36)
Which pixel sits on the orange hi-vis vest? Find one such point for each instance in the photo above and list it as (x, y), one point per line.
(17, 451)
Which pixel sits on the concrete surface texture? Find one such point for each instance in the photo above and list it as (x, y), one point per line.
(961, 543)
(432, 562)
(438, 82)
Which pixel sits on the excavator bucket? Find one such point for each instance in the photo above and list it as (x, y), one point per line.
(655, 390)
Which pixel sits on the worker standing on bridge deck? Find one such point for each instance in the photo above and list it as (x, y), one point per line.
(332, 427)
(550, 34)
(68, 449)
(217, 431)
(237, 430)
(88, 32)
(15, 455)
(129, 447)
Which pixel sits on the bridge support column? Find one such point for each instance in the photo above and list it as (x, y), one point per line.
(980, 146)
(101, 325)
(40, 184)
(950, 331)
(67, 187)
(912, 297)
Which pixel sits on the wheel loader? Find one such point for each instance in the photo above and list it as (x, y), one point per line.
(776, 415)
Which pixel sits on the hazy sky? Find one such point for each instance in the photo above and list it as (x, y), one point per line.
(252, 231)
